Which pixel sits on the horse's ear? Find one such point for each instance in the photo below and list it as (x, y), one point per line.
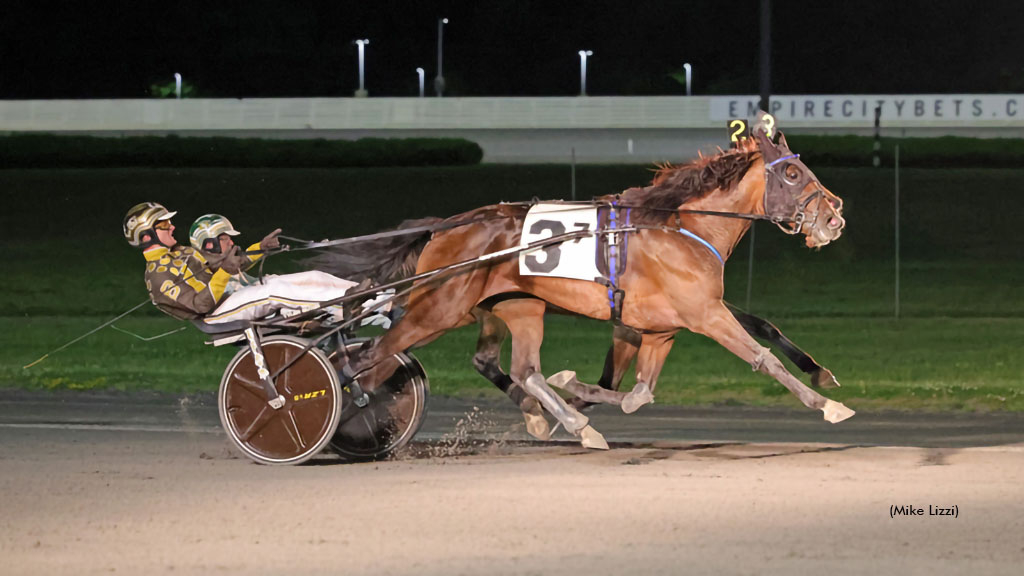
(764, 131)
(782, 141)
(765, 125)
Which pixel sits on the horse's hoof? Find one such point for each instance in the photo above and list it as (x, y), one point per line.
(836, 412)
(591, 438)
(561, 379)
(639, 396)
(823, 378)
(537, 425)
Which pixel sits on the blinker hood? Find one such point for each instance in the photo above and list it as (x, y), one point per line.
(781, 194)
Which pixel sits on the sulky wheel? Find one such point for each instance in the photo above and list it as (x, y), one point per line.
(391, 418)
(299, 429)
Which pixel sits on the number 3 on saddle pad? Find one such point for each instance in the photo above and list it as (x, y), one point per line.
(570, 259)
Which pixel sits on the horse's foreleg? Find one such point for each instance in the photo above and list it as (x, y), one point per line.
(585, 394)
(757, 327)
(527, 334)
(719, 323)
(625, 343)
(487, 362)
(654, 348)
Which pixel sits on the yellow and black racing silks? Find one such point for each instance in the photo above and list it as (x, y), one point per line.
(187, 284)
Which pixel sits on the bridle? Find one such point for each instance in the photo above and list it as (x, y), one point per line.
(797, 219)
(778, 181)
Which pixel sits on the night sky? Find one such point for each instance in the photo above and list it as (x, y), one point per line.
(265, 48)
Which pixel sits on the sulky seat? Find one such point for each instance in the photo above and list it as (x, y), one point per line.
(222, 328)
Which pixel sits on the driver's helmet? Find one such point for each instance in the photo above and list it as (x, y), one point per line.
(205, 230)
(142, 218)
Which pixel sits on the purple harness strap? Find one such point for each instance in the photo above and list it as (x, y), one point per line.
(613, 253)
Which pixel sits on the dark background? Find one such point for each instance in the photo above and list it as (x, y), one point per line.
(266, 48)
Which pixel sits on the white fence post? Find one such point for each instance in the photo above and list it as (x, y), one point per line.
(897, 220)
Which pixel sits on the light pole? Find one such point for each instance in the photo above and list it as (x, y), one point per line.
(583, 70)
(688, 69)
(439, 81)
(419, 72)
(177, 86)
(361, 92)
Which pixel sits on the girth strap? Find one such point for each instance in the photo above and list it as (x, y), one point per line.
(617, 245)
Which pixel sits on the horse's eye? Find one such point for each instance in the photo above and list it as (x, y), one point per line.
(792, 172)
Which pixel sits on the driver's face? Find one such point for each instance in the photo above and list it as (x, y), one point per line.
(226, 243)
(165, 233)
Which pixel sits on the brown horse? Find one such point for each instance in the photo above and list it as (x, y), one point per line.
(374, 261)
(674, 279)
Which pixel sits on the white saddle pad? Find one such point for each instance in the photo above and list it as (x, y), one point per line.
(571, 259)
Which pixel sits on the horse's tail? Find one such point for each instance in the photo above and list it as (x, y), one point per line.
(382, 260)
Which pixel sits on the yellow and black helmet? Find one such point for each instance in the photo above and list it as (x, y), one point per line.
(204, 233)
(142, 218)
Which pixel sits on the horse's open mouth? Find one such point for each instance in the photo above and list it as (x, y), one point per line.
(813, 242)
(819, 237)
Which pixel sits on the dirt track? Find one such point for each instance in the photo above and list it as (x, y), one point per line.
(99, 500)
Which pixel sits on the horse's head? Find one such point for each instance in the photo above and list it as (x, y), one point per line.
(794, 198)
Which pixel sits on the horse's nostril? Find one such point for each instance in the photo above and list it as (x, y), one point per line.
(834, 223)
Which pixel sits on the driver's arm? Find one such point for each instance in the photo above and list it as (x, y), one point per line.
(237, 261)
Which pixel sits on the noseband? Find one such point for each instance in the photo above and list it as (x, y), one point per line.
(782, 202)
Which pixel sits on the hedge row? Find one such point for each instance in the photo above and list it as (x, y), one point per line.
(52, 151)
(942, 152)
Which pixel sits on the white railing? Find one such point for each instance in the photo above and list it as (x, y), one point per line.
(354, 114)
(665, 112)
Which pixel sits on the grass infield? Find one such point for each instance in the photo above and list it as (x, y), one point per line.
(957, 345)
(917, 363)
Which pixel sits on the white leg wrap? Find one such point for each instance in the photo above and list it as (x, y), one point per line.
(553, 403)
(640, 395)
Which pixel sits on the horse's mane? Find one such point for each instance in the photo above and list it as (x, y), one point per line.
(675, 185)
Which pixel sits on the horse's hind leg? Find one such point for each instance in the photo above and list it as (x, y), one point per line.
(487, 362)
(757, 327)
(432, 310)
(719, 324)
(527, 328)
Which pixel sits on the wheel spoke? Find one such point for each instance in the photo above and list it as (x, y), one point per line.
(258, 423)
(253, 387)
(372, 432)
(292, 427)
(282, 378)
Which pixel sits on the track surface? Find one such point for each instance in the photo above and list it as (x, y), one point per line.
(129, 484)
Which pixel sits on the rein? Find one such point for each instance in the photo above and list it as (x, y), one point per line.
(310, 245)
(738, 215)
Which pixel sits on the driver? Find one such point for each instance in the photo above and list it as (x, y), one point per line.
(210, 282)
